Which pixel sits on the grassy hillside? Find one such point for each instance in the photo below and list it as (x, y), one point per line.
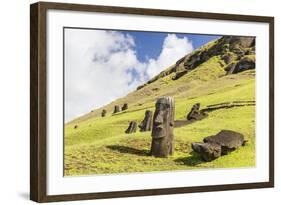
(99, 145)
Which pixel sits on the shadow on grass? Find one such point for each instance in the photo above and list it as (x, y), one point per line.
(128, 150)
(192, 160)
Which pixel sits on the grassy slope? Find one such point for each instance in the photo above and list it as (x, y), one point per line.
(99, 145)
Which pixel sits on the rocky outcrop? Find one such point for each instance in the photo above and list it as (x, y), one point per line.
(162, 144)
(179, 74)
(230, 49)
(220, 144)
(245, 63)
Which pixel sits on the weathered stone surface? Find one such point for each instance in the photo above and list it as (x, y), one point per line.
(125, 106)
(163, 125)
(245, 63)
(146, 124)
(228, 58)
(116, 109)
(195, 113)
(244, 42)
(229, 140)
(179, 74)
(230, 67)
(132, 127)
(220, 144)
(193, 61)
(207, 151)
(103, 113)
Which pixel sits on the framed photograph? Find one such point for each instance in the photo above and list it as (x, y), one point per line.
(135, 102)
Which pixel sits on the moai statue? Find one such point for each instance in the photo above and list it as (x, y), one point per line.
(146, 124)
(103, 113)
(194, 113)
(132, 127)
(222, 143)
(125, 106)
(116, 109)
(163, 125)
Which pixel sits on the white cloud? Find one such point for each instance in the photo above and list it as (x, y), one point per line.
(173, 48)
(101, 66)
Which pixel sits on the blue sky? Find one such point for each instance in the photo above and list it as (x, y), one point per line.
(149, 44)
(102, 65)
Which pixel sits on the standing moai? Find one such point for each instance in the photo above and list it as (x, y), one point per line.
(194, 112)
(132, 127)
(125, 106)
(116, 109)
(103, 113)
(146, 124)
(163, 125)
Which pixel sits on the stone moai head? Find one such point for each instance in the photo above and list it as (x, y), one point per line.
(116, 109)
(103, 113)
(146, 124)
(125, 106)
(162, 129)
(196, 106)
(163, 119)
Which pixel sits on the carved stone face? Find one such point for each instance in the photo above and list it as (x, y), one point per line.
(162, 132)
(163, 119)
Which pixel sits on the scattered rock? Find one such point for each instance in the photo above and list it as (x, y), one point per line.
(220, 144)
(207, 151)
(163, 124)
(193, 61)
(245, 63)
(230, 67)
(146, 124)
(125, 106)
(141, 86)
(179, 74)
(132, 127)
(242, 42)
(228, 58)
(103, 113)
(116, 109)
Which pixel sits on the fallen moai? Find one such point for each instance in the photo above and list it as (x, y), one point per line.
(132, 127)
(162, 130)
(222, 143)
(146, 124)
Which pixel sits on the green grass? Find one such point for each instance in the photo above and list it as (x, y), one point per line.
(100, 145)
